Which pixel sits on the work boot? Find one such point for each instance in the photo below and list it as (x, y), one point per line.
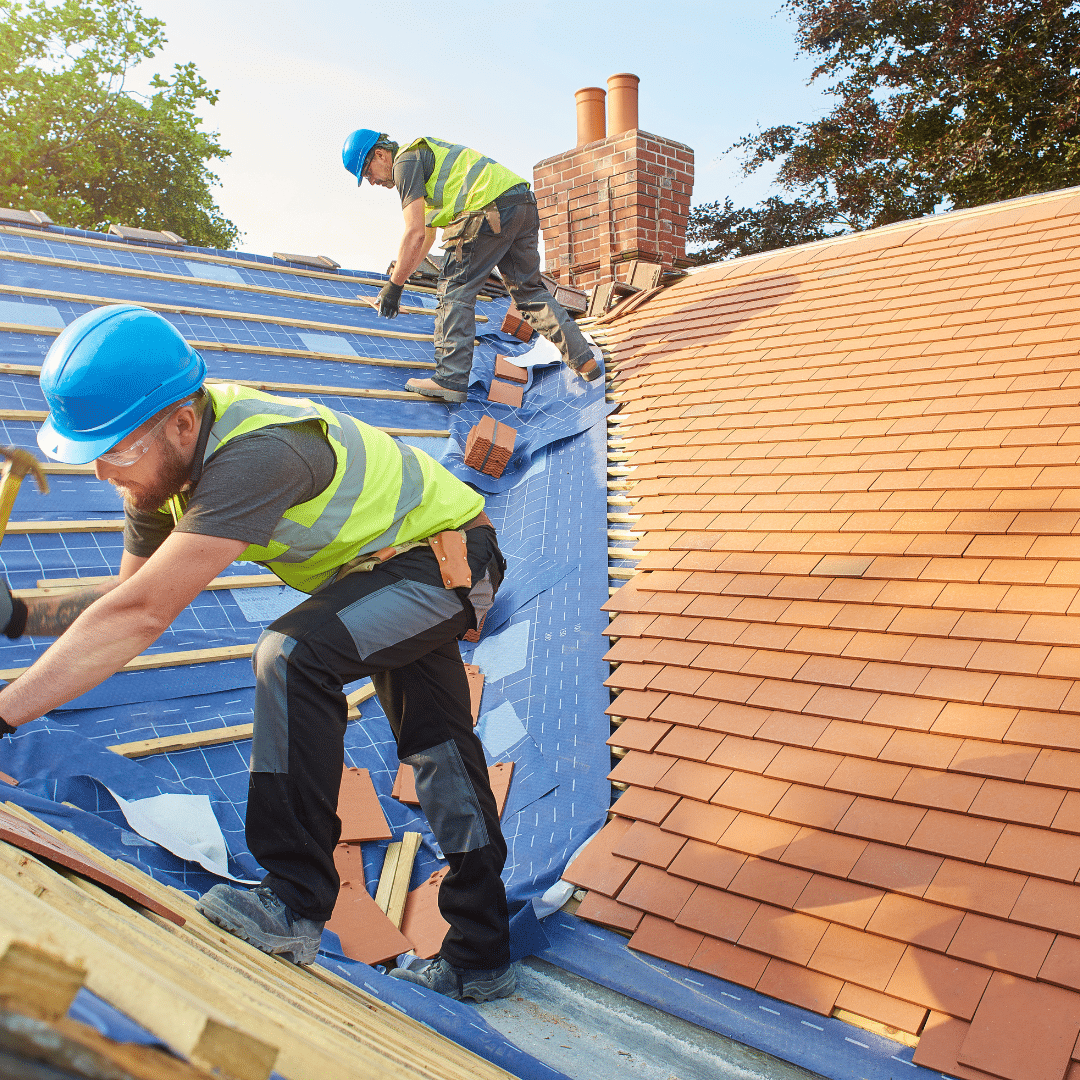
(458, 983)
(261, 917)
(430, 388)
(590, 371)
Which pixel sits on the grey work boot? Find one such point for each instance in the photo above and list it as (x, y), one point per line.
(261, 917)
(458, 983)
(430, 388)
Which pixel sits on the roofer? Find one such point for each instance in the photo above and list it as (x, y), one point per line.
(488, 217)
(337, 509)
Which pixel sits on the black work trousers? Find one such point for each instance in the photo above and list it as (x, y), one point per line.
(398, 624)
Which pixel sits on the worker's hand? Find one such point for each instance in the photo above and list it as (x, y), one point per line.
(13, 613)
(389, 299)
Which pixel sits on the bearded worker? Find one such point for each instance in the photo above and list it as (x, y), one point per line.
(337, 509)
(489, 219)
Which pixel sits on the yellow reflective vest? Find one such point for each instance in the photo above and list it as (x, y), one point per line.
(383, 492)
(462, 181)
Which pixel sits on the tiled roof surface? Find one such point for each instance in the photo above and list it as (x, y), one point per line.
(848, 671)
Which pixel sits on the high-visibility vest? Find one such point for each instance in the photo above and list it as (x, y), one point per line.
(383, 492)
(462, 181)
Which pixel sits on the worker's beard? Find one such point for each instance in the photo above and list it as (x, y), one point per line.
(172, 478)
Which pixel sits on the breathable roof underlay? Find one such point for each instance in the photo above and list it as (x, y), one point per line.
(847, 672)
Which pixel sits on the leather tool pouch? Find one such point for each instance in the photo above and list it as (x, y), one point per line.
(463, 229)
(450, 550)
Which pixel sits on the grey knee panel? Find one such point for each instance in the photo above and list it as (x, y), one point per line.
(448, 799)
(400, 611)
(270, 743)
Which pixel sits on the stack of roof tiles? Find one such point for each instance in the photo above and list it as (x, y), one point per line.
(489, 446)
(849, 672)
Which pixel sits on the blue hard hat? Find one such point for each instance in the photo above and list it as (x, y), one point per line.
(108, 372)
(354, 153)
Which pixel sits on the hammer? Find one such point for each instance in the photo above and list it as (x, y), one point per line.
(17, 465)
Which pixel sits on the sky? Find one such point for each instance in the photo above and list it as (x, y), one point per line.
(296, 77)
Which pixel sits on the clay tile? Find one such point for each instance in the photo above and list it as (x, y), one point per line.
(825, 852)
(906, 918)
(642, 804)
(803, 766)
(750, 792)
(1001, 945)
(638, 735)
(718, 913)
(361, 815)
(855, 956)
(1062, 964)
(504, 369)
(1026, 803)
(860, 740)
(365, 932)
(945, 790)
(788, 935)
(652, 890)
(690, 743)
(1037, 851)
(775, 883)
(893, 1013)
(995, 892)
(874, 819)
(938, 982)
(940, 1042)
(749, 755)
(636, 704)
(658, 937)
(839, 901)
(644, 770)
(1009, 762)
(596, 867)
(729, 962)
(602, 909)
(806, 989)
(698, 820)
(812, 806)
(896, 869)
(648, 844)
(758, 836)
(877, 778)
(693, 779)
(957, 835)
(1022, 1030)
(681, 709)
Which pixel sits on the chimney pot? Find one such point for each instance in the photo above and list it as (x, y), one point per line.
(590, 114)
(623, 114)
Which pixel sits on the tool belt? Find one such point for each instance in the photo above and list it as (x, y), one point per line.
(449, 548)
(463, 229)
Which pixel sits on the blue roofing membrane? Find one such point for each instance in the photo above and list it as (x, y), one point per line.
(543, 701)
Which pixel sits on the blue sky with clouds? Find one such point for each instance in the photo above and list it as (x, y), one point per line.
(296, 77)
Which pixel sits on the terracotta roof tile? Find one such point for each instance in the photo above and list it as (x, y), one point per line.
(717, 913)
(596, 867)
(863, 777)
(652, 890)
(784, 727)
(699, 820)
(804, 766)
(1001, 945)
(762, 879)
(994, 759)
(730, 962)
(826, 852)
(749, 755)
(979, 888)
(644, 770)
(926, 787)
(915, 921)
(635, 704)
(856, 956)
(646, 843)
(688, 743)
(706, 864)
(939, 982)
(784, 934)
(876, 819)
(602, 909)
(939, 1044)
(734, 719)
(639, 735)
(1062, 963)
(750, 792)
(679, 709)
(1037, 851)
(838, 900)
(893, 1013)
(957, 835)
(693, 779)
(862, 740)
(1025, 803)
(1068, 816)
(641, 804)
(806, 989)
(758, 836)
(973, 721)
(918, 748)
(893, 868)
(658, 937)
(1022, 1030)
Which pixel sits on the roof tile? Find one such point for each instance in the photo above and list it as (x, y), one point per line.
(642, 804)
(650, 889)
(758, 836)
(939, 982)
(1037, 851)
(895, 869)
(730, 962)
(826, 852)
(639, 735)
(658, 937)
(750, 755)
(773, 882)
(856, 956)
(788, 935)
(717, 913)
(706, 864)
(838, 900)
(868, 777)
(750, 792)
(1062, 963)
(980, 888)
(957, 835)
(596, 867)
(643, 770)
(646, 843)
(686, 742)
(1025, 803)
(806, 989)
(893, 1013)
(876, 819)
(602, 909)
(699, 820)
(1001, 945)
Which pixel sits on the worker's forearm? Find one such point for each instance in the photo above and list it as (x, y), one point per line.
(414, 246)
(50, 616)
(99, 642)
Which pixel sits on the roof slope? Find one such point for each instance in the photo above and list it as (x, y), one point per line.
(847, 673)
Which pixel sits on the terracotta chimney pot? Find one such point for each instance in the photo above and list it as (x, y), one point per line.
(623, 92)
(590, 114)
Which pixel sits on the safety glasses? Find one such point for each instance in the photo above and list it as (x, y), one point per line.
(134, 452)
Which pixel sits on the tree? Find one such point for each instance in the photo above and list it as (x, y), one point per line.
(79, 145)
(941, 104)
(727, 232)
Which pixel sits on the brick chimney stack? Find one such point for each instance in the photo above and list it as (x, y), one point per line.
(613, 199)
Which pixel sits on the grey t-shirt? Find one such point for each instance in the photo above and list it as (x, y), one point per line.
(411, 171)
(242, 492)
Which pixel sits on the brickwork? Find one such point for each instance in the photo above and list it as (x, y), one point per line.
(607, 202)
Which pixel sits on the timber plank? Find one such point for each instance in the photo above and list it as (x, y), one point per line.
(162, 660)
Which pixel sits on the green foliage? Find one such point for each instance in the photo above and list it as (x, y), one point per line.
(724, 232)
(77, 144)
(940, 104)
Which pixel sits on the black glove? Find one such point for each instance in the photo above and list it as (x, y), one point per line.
(6, 728)
(389, 299)
(13, 613)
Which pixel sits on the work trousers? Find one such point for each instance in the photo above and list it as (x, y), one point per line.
(515, 251)
(398, 624)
